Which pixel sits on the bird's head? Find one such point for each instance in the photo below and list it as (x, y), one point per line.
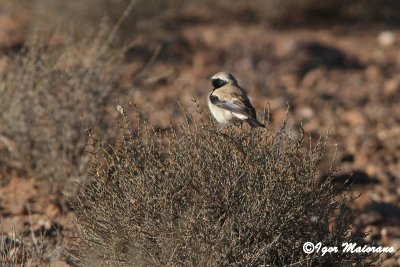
(222, 78)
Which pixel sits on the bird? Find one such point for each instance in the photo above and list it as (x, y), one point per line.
(229, 103)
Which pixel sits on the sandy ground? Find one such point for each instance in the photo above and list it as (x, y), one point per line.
(343, 78)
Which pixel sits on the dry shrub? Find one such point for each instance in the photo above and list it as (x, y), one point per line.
(13, 252)
(44, 93)
(288, 12)
(294, 11)
(195, 196)
(146, 16)
(31, 248)
(84, 15)
(304, 12)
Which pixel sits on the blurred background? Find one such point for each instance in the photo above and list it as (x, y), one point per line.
(335, 63)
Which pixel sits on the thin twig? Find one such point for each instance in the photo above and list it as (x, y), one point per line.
(117, 25)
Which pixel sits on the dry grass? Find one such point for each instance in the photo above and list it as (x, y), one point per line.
(41, 247)
(84, 16)
(149, 15)
(194, 196)
(190, 196)
(45, 91)
(289, 13)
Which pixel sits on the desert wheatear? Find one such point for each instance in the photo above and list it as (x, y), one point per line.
(228, 102)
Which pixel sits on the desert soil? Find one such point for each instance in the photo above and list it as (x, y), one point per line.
(337, 78)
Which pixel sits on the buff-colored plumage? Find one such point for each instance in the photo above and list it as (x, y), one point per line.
(228, 102)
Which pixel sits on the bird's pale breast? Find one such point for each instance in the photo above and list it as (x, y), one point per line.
(222, 115)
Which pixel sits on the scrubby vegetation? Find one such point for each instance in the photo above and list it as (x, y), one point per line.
(31, 248)
(147, 15)
(195, 196)
(160, 193)
(45, 92)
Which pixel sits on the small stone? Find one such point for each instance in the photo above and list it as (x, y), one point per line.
(306, 112)
(384, 232)
(373, 72)
(371, 170)
(354, 118)
(386, 38)
(52, 211)
(391, 87)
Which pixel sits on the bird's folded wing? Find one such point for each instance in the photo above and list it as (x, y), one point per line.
(236, 105)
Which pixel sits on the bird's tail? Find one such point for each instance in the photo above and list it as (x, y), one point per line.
(254, 123)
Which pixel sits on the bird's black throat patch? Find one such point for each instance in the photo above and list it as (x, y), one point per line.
(217, 83)
(214, 99)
